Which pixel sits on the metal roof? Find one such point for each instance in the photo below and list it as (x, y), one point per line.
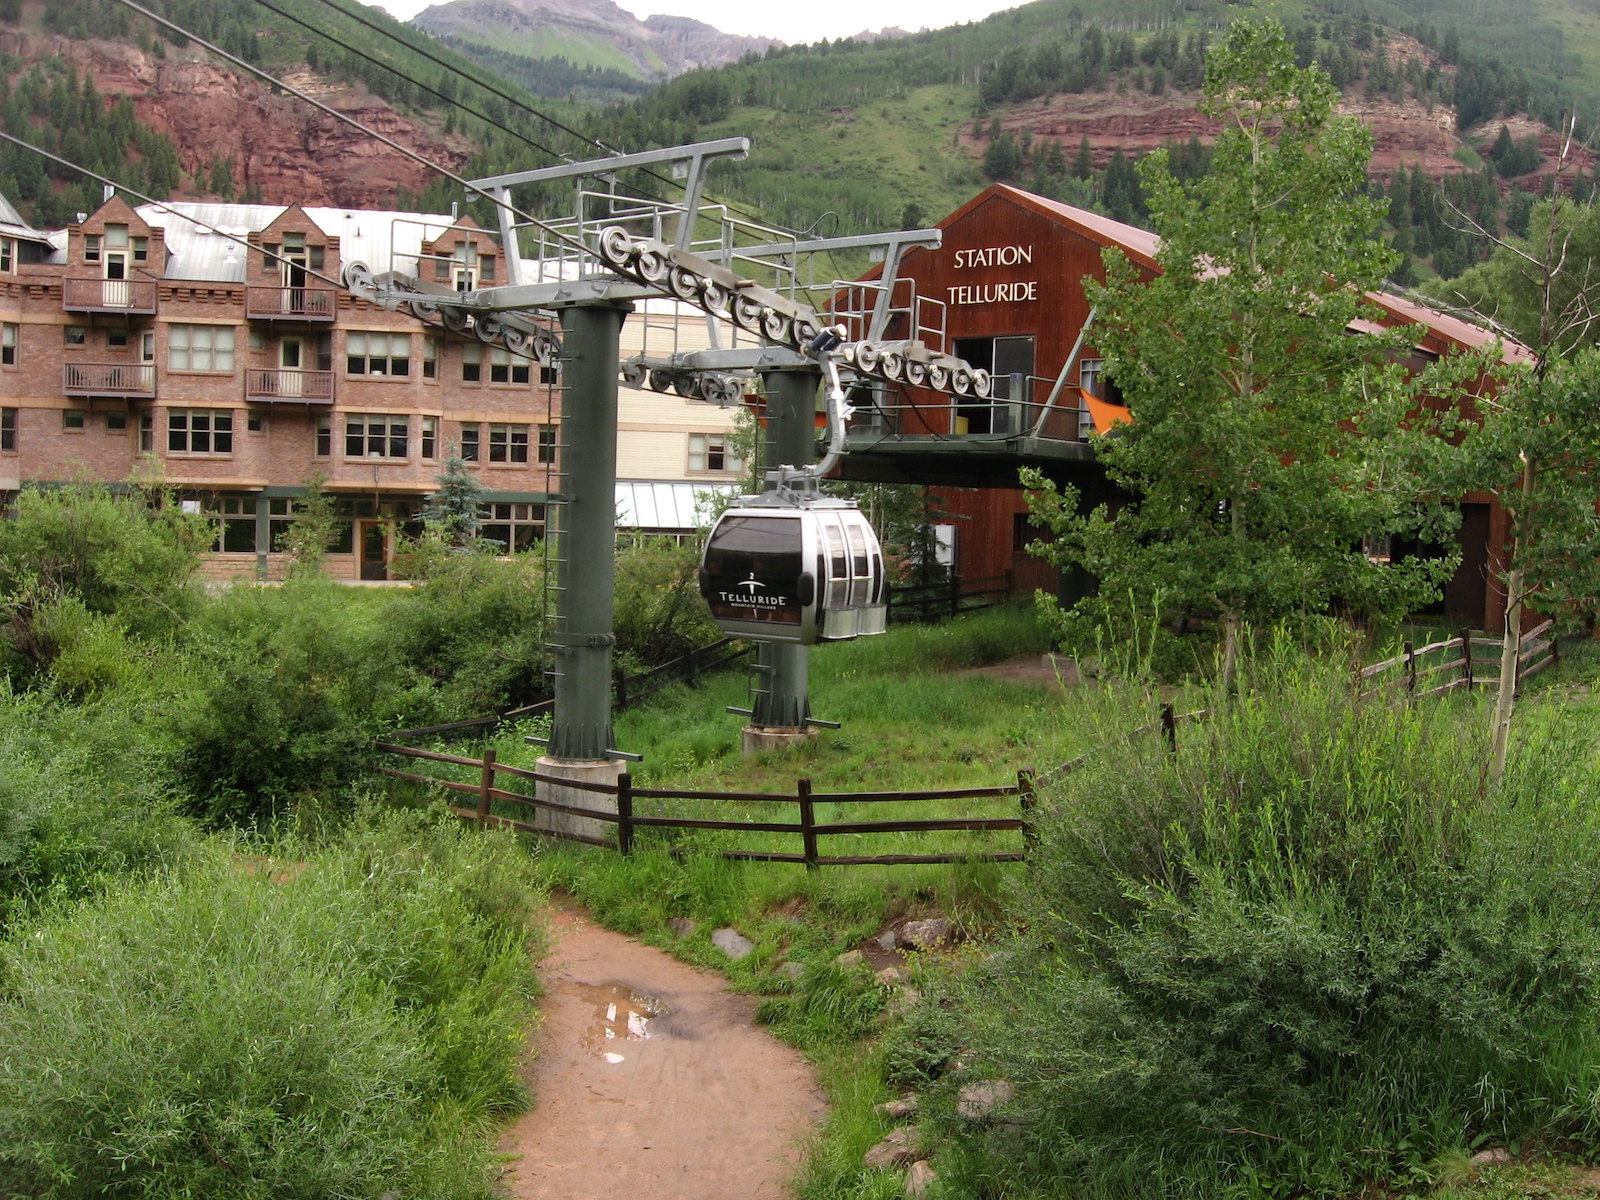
(204, 238)
(654, 504)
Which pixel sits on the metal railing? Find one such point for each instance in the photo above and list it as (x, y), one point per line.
(291, 303)
(109, 295)
(108, 379)
(272, 384)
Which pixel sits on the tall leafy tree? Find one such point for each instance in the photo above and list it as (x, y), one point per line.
(1266, 442)
(1539, 438)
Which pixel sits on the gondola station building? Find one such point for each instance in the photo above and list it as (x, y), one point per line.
(1005, 286)
(209, 348)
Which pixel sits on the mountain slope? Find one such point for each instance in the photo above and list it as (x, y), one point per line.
(587, 33)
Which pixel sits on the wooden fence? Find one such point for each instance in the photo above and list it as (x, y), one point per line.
(804, 802)
(486, 772)
(934, 601)
(1464, 661)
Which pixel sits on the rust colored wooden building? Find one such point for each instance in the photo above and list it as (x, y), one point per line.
(1005, 292)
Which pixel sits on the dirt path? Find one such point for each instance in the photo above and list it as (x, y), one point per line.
(652, 1082)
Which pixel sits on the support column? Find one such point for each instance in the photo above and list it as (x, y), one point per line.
(585, 537)
(783, 702)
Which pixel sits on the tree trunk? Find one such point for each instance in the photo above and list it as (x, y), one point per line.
(1231, 624)
(1511, 649)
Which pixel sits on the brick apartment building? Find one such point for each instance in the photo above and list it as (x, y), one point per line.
(208, 346)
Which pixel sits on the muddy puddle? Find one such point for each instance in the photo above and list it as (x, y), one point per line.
(619, 1015)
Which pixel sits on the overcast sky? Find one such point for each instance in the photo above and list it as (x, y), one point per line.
(809, 22)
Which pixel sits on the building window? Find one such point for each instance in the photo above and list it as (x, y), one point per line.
(514, 526)
(324, 442)
(91, 247)
(74, 335)
(8, 429)
(255, 421)
(8, 254)
(117, 339)
(147, 433)
(550, 374)
(430, 437)
(469, 443)
(116, 422)
(710, 452)
(141, 249)
(547, 443)
(506, 367)
(508, 443)
(377, 353)
(430, 358)
(367, 435)
(199, 431)
(234, 520)
(472, 362)
(8, 343)
(72, 418)
(201, 348)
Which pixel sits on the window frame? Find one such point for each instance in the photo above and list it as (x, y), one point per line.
(211, 426)
(202, 359)
(379, 435)
(713, 448)
(508, 443)
(394, 366)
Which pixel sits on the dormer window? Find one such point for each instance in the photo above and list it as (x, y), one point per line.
(117, 237)
(464, 266)
(8, 254)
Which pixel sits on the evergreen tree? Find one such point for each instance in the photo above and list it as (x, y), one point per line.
(455, 511)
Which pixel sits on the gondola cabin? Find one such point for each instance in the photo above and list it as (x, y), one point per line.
(778, 572)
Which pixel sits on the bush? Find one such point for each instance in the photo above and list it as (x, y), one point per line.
(1302, 953)
(82, 798)
(287, 688)
(472, 629)
(106, 556)
(273, 1027)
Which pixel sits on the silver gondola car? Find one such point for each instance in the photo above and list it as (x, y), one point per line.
(778, 572)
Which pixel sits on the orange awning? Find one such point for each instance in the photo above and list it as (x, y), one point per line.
(1104, 414)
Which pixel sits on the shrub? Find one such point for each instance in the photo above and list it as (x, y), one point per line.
(82, 797)
(472, 629)
(273, 1027)
(107, 555)
(1304, 952)
(287, 688)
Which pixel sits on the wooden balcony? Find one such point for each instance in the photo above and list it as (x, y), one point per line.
(280, 385)
(136, 296)
(290, 303)
(136, 380)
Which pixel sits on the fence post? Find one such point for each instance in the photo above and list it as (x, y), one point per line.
(1466, 657)
(620, 678)
(808, 824)
(1355, 677)
(1025, 801)
(1411, 668)
(485, 785)
(1169, 727)
(625, 813)
(692, 670)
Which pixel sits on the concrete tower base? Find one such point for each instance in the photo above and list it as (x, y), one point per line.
(757, 738)
(605, 770)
